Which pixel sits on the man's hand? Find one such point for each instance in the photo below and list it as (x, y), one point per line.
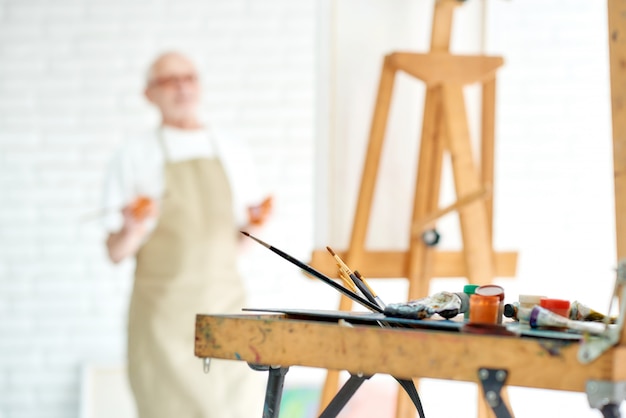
(259, 214)
(127, 241)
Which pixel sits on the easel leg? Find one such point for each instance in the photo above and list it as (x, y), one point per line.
(487, 149)
(611, 411)
(404, 406)
(426, 195)
(372, 163)
(473, 217)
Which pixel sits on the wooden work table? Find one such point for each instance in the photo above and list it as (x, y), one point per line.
(278, 339)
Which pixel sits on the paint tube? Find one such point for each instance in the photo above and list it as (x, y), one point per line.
(541, 317)
(517, 312)
(581, 312)
(445, 304)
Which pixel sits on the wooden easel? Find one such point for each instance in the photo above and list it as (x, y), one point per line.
(444, 128)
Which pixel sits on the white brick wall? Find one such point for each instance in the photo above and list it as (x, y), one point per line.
(71, 75)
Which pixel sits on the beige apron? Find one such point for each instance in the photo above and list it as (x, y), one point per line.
(188, 266)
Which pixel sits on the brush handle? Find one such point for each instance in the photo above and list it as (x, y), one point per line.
(361, 286)
(328, 281)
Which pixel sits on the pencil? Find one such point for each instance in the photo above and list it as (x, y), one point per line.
(318, 275)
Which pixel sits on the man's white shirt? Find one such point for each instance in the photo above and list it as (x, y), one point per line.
(137, 168)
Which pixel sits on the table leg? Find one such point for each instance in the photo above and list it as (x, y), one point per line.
(274, 389)
(611, 411)
(343, 396)
(606, 396)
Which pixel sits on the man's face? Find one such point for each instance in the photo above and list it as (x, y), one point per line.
(173, 87)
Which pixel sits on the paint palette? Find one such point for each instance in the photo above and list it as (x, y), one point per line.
(453, 325)
(364, 318)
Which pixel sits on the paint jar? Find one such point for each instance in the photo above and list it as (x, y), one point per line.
(484, 309)
(529, 302)
(493, 290)
(558, 306)
(469, 290)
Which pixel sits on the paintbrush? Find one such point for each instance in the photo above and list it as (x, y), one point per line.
(347, 281)
(344, 269)
(318, 275)
(344, 272)
(378, 300)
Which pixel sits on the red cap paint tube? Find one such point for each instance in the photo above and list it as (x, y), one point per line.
(558, 306)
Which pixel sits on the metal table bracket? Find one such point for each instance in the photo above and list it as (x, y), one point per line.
(492, 382)
(606, 396)
(206, 364)
(591, 350)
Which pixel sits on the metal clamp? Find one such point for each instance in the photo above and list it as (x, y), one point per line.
(594, 348)
(591, 349)
(206, 364)
(492, 382)
(606, 396)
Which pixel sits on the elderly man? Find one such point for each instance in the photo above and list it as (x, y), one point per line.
(180, 221)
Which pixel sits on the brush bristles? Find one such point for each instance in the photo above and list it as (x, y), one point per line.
(265, 244)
